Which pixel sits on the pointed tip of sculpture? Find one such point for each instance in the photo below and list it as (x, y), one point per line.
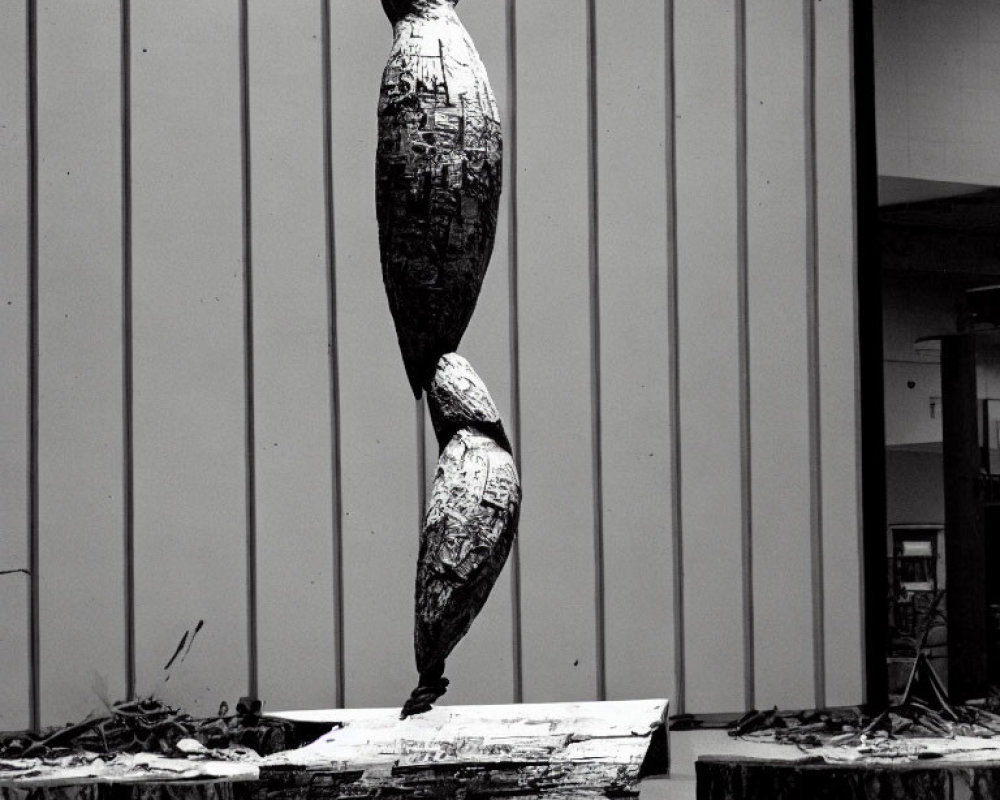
(418, 376)
(395, 10)
(422, 698)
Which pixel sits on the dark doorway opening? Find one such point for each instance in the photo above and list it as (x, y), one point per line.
(940, 264)
(929, 328)
(869, 288)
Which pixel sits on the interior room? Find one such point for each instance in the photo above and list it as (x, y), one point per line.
(936, 81)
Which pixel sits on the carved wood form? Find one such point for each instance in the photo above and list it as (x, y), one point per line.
(437, 181)
(437, 178)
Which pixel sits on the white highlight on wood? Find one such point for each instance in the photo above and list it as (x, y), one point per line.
(553, 733)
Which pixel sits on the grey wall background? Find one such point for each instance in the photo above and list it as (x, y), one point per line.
(936, 73)
(205, 419)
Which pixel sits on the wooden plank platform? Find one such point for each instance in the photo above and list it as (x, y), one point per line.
(550, 750)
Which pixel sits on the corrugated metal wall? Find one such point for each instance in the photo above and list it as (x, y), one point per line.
(205, 422)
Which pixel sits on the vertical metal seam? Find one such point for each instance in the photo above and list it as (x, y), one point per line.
(128, 442)
(812, 311)
(673, 360)
(420, 419)
(34, 638)
(856, 354)
(517, 641)
(248, 354)
(333, 356)
(743, 356)
(855, 294)
(869, 399)
(593, 220)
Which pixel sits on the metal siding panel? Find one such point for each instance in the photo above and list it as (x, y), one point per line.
(481, 667)
(839, 355)
(190, 509)
(380, 501)
(81, 570)
(14, 693)
(779, 370)
(190, 460)
(510, 220)
(294, 478)
(14, 619)
(634, 358)
(709, 374)
(557, 522)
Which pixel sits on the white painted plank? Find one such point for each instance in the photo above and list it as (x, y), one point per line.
(779, 371)
(190, 527)
(14, 622)
(838, 356)
(581, 742)
(708, 350)
(81, 570)
(587, 718)
(381, 514)
(557, 519)
(294, 486)
(545, 750)
(634, 340)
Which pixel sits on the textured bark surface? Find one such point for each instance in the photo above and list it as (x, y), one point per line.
(470, 526)
(437, 176)
(731, 779)
(153, 790)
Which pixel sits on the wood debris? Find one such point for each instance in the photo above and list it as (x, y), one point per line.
(857, 728)
(559, 751)
(151, 726)
(924, 710)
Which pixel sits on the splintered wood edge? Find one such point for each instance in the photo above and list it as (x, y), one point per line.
(655, 710)
(631, 734)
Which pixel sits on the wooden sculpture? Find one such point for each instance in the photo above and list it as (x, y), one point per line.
(437, 191)
(437, 180)
(470, 525)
